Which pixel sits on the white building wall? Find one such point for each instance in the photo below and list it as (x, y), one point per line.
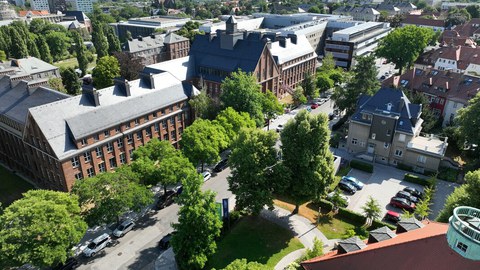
(473, 70)
(84, 5)
(450, 111)
(447, 64)
(40, 5)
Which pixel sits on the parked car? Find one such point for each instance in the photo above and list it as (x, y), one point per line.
(415, 192)
(349, 188)
(69, 264)
(314, 106)
(206, 176)
(382, 77)
(123, 228)
(392, 217)
(353, 181)
(166, 199)
(165, 241)
(345, 198)
(402, 204)
(97, 245)
(221, 165)
(279, 128)
(331, 116)
(407, 195)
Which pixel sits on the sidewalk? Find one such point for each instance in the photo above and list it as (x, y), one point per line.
(303, 229)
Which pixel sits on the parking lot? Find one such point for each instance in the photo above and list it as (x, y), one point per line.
(385, 182)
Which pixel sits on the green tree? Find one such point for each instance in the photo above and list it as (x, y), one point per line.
(315, 9)
(464, 195)
(315, 251)
(232, 122)
(58, 43)
(309, 87)
(271, 107)
(56, 83)
(298, 96)
(203, 106)
(457, 16)
(107, 196)
(37, 26)
(99, 40)
(81, 52)
(430, 121)
(32, 46)
(371, 209)
(70, 81)
(18, 47)
(474, 11)
(130, 67)
(106, 70)
(112, 39)
(328, 63)
(242, 264)
(324, 82)
(307, 159)
(468, 121)
(203, 141)
(253, 155)
(242, 92)
(198, 225)
(3, 56)
(40, 229)
(44, 50)
(403, 45)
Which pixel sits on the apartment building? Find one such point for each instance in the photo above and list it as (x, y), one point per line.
(55, 139)
(458, 59)
(386, 128)
(361, 39)
(421, 21)
(29, 69)
(39, 5)
(362, 13)
(147, 26)
(83, 5)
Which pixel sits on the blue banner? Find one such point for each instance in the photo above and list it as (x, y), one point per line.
(225, 208)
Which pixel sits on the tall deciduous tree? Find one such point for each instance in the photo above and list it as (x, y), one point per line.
(203, 141)
(99, 40)
(106, 70)
(107, 196)
(371, 209)
(70, 81)
(309, 87)
(233, 121)
(203, 106)
(468, 121)
(198, 225)
(464, 195)
(271, 107)
(307, 159)
(130, 66)
(242, 92)
(3, 56)
(44, 50)
(40, 229)
(112, 39)
(403, 45)
(18, 47)
(58, 42)
(298, 96)
(253, 155)
(81, 51)
(32, 46)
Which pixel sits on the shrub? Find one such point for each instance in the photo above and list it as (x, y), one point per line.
(419, 180)
(360, 165)
(356, 218)
(447, 174)
(325, 205)
(378, 224)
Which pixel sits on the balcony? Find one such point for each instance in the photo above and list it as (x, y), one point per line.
(466, 220)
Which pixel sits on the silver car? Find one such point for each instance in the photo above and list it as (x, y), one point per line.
(123, 228)
(97, 245)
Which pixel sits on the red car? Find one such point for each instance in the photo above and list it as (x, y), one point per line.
(314, 106)
(392, 216)
(402, 204)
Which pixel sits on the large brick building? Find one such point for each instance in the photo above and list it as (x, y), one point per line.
(54, 139)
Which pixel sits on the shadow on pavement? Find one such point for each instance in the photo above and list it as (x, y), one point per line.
(146, 258)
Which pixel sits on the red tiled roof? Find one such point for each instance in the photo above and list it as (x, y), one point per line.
(424, 248)
(23, 13)
(418, 20)
(462, 54)
(468, 29)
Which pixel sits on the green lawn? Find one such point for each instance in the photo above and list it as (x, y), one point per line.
(334, 228)
(11, 187)
(341, 172)
(72, 62)
(254, 239)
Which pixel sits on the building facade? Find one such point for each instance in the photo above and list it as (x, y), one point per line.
(359, 13)
(83, 5)
(147, 26)
(386, 128)
(55, 139)
(39, 5)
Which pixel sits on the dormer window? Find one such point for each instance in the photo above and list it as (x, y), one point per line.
(389, 107)
(84, 142)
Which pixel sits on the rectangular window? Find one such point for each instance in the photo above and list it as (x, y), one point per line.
(354, 141)
(401, 137)
(99, 152)
(162, 111)
(109, 147)
(136, 122)
(78, 176)
(179, 118)
(145, 118)
(113, 162)
(154, 114)
(75, 162)
(422, 159)
(139, 135)
(101, 167)
(122, 158)
(398, 153)
(119, 142)
(180, 130)
(106, 133)
(84, 142)
(386, 145)
(130, 153)
(165, 137)
(87, 156)
(164, 124)
(171, 108)
(157, 127)
(117, 130)
(173, 135)
(129, 138)
(90, 172)
(172, 121)
(127, 125)
(462, 247)
(148, 132)
(95, 137)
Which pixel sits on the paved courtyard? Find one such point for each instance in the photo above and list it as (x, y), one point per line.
(385, 182)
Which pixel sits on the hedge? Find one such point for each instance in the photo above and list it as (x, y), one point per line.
(409, 168)
(360, 165)
(378, 224)
(350, 215)
(419, 180)
(325, 205)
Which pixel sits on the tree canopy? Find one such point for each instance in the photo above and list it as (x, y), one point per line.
(307, 160)
(203, 106)
(469, 122)
(232, 122)
(403, 45)
(251, 161)
(242, 264)
(106, 70)
(371, 209)
(99, 40)
(40, 229)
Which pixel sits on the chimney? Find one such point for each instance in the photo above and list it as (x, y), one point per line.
(90, 92)
(211, 36)
(430, 81)
(123, 85)
(152, 81)
(282, 42)
(293, 38)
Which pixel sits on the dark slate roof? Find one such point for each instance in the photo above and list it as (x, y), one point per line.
(381, 234)
(79, 15)
(245, 54)
(173, 38)
(352, 244)
(407, 113)
(410, 224)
